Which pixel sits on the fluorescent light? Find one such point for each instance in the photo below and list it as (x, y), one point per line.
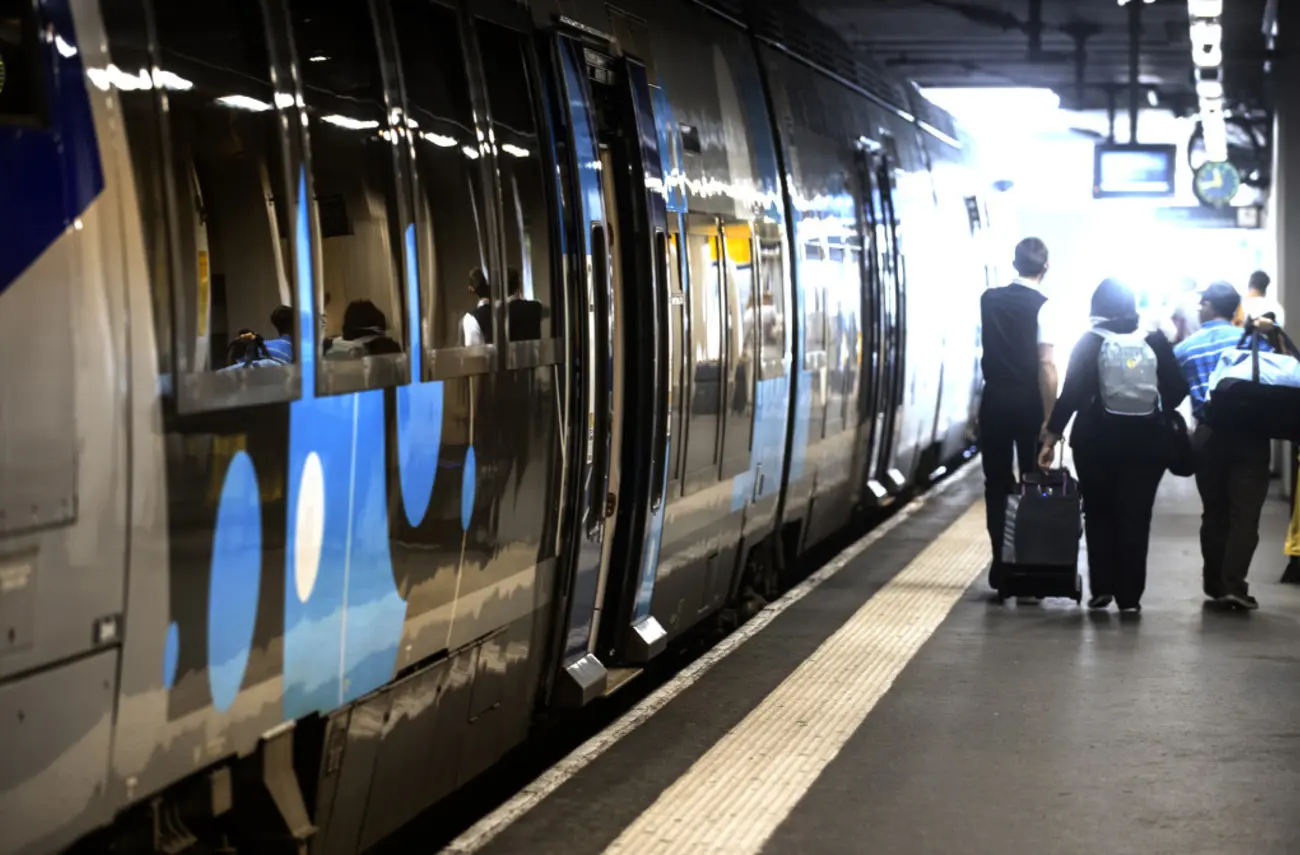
(1152, 98)
(318, 58)
(438, 139)
(1207, 34)
(350, 123)
(113, 77)
(470, 152)
(1205, 8)
(65, 50)
(167, 80)
(243, 102)
(511, 148)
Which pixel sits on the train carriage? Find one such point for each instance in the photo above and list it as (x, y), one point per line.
(379, 375)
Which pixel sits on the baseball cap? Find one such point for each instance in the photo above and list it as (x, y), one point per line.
(1222, 296)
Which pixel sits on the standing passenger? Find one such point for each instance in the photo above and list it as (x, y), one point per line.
(1119, 442)
(1019, 383)
(1258, 304)
(1233, 470)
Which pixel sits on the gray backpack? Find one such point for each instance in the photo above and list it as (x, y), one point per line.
(1126, 374)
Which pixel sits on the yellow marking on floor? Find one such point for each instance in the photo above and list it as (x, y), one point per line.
(737, 794)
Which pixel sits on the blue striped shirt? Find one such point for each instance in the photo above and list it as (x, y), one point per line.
(1198, 356)
(281, 349)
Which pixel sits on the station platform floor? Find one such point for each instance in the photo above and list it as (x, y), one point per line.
(896, 708)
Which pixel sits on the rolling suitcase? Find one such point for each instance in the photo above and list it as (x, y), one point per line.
(1040, 541)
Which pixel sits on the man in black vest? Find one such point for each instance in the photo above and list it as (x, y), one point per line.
(1019, 383)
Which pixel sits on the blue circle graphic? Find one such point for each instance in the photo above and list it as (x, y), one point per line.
(467, 488)
(171, 654)
(236, 577)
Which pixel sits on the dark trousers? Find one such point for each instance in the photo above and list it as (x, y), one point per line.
(1118, 496)
(1009, 431)
(1232, 476)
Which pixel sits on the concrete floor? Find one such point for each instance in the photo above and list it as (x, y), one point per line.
(1014, 729)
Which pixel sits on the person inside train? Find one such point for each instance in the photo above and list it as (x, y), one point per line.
(281, 347)
(365, 333)
(523, 315)
(248, 350)
(476, 325)
(1019, 382)
(1232, 470)
(1118, 388)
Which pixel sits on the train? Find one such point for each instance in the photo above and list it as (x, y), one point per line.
(381, 376)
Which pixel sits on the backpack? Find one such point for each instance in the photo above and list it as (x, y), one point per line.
(1126, 374)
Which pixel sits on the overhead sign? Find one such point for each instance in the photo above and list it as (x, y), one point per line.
(1201, 217)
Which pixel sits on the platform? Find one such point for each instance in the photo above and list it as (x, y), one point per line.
(895, 709)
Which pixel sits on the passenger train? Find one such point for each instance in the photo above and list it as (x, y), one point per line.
(377, 376)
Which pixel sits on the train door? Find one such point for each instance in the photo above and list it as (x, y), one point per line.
(614, 152)
(884, 366)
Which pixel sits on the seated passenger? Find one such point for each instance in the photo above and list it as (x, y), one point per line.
(365, 333)
(248, 350)
(1118, 440)
(281, 347)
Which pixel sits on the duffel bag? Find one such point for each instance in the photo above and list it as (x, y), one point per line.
(1254, 393)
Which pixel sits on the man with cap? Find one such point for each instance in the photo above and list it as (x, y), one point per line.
(1233, 470)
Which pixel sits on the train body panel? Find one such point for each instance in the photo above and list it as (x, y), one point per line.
(588, 310)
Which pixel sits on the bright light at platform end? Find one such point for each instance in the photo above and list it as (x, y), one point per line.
(974, 105)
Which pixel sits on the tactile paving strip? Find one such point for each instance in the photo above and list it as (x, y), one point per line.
(735, 796)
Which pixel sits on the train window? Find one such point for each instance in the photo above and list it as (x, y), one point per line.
(814, 335)
(355, 190)
(676, 327)
(530, 295)
(771, 301)
(21, 91)
(450, 229)
(705, 350)
(214, 200)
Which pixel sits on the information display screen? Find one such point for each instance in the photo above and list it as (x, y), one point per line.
(1134, 170)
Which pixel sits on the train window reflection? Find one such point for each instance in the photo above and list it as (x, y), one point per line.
(449, 213)
(529, 288)
(354, 188)
(21, 97)
(771, 312)
(223, 207)
(703, 260)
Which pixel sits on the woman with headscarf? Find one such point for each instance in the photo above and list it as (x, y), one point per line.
(1120, 456)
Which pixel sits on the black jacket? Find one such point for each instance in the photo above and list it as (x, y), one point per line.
(1097, 431)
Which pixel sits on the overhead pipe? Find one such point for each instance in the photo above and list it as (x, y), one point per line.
(1134, 59)
(1034, 29)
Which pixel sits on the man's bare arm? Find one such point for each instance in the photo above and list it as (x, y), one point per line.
(1047, 379)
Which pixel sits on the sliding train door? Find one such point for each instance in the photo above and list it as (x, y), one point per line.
(584, 675)
(624, 365)
(882, 362)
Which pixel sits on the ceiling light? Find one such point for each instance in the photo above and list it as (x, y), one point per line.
(167, 80)
(1209, 89)
(511, 148)
(243, 102)
(470, 152)
(1153, 98)
(1205, 8)
(440, 140)
(318, 59)
(350, 123)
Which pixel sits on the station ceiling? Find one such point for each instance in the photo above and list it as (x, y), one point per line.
(1050, 43)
